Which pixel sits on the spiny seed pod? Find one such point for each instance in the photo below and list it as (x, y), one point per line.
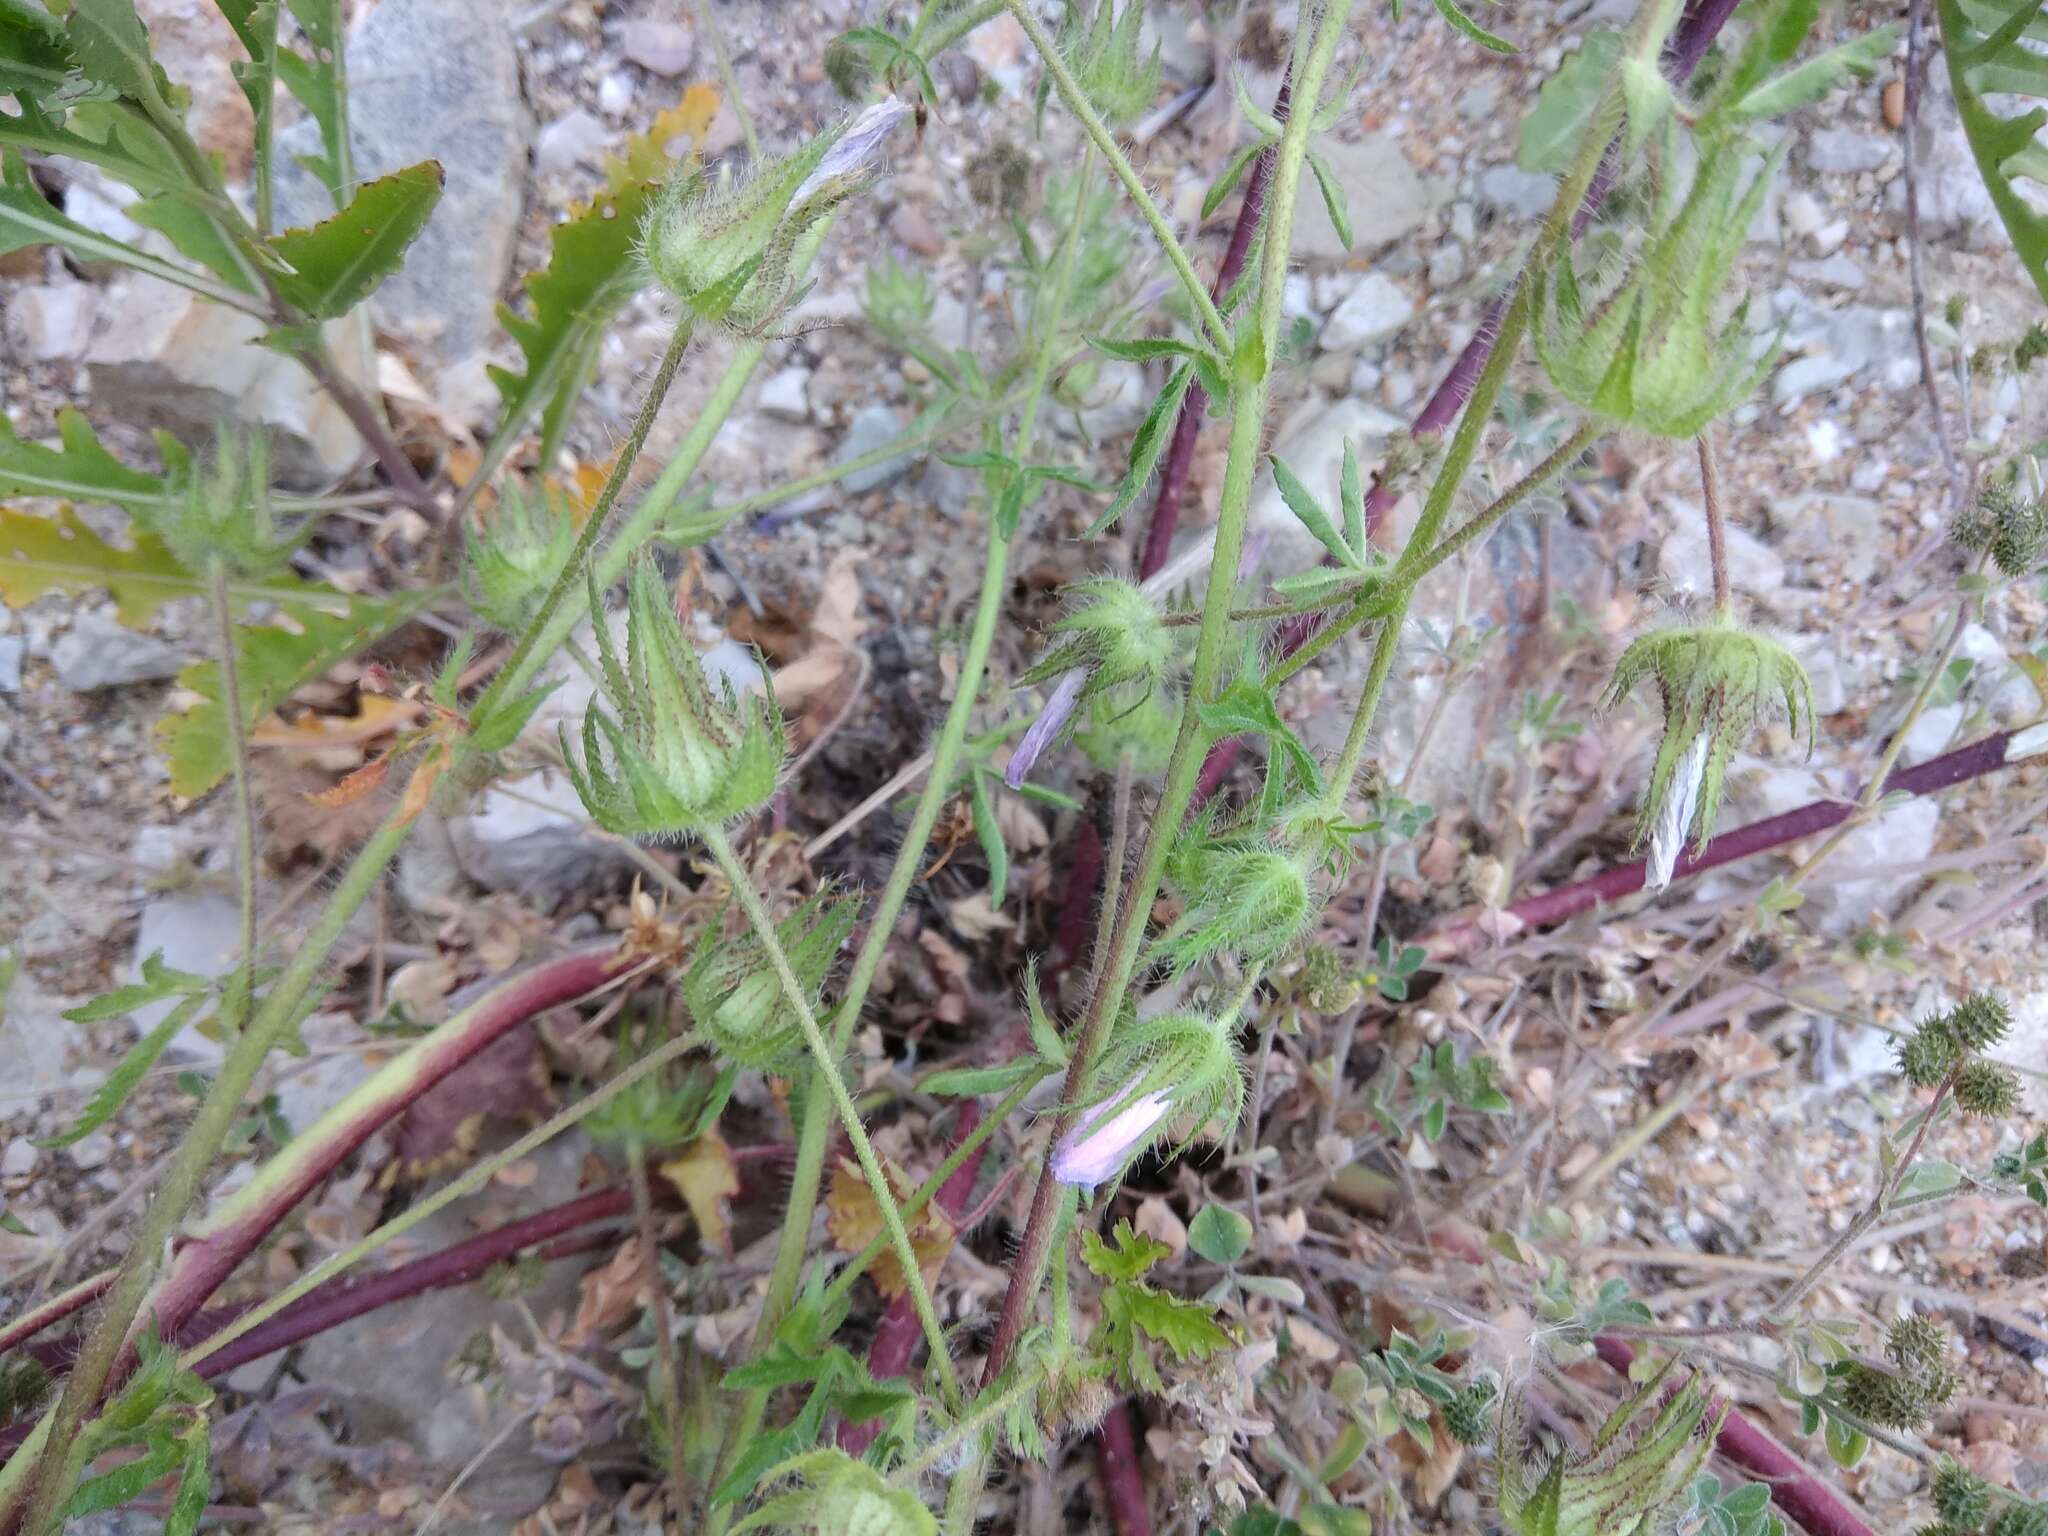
(1240, 896)
(1466, 1417)
(2012, 529)
(723, 250)
(1939, 1528)
(225, 513)
(1163, 1068)
(1103, 58)
(1891, 1402)
(1979, 1021)
(737, 998)
(515, 553)
(1987, 1089)
(1639, 1464)
(679, 756)
(1917, 1343)
(1928, 1054)
(2019, 1520)
(1113, 633)
(1718, 681)
(1960, 1496)
(1647, 354)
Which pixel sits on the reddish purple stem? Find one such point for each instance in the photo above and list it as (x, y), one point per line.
(1123, 1488)
(1539, 911)
(1801, 1495)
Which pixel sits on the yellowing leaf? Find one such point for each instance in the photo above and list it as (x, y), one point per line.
(649, 156)
(355, 785)
(706, 1179)
(375, 716)
(855, 1220)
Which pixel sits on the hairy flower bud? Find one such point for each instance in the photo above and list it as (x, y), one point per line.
(1648, 354)
(679, 756)
(1103, 56)
(515, 552)
(1241, 896)
(828, 1493)
(738, 1000)
(1718, 681)
(226, 513)
(1113, 634)
(1177, 1064)
(724, 250)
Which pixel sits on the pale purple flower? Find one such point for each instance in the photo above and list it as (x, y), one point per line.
(1100, 1144)
(1674, 819)
(1046, 728)
(856, 148)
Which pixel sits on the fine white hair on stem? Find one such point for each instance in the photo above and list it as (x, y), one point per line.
(1681, 800)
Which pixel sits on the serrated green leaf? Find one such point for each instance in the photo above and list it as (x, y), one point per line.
(34, 60)
(131, 1069)
(80, 469)
(339, 262)
(63, 554)
(1566, 104)
(195, 1481)
(1448, 9)
(966, 1082)
(127, 1482)
(1147, 446)
(159, 981)
(1985, 52)
(112, 48)
(273, 661)
(27, 219)
(1308, 511)
(1231, 174)
(1129, 1259)
(1812, 80)
(197, 235)
(1333, 194)
(989, 832)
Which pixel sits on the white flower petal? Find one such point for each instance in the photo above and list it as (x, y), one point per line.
(1674, 820)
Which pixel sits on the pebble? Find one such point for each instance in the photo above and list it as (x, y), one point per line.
(1512, 190)
(20, 1159)
(910, 228)
(659, 47)
(90, 1152)
(1376, 308)
(1446, 265)
(1829, 237)
(1837, 271)
(785, 394)
(98, 653)
(53, 322)
(1753, 566)
(614, 94)
(11, 649)
(872, 427)
(575, 139)
(1383, 195)
(1802, 212)
(1845, 151)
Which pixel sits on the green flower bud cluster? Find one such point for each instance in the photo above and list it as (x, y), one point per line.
(1638, 1465)
(1961, 1497)
(1241, 895)
(225, 513)
(679, 756)
(1102, 54)
(1718, 681)
(2019, 1520)
(515, 552)
(724, 249)
(1649, 354)
(738, 1000)
(1944, 1049)
(2012, 529)
(1905, 1397)
(1466, 1417)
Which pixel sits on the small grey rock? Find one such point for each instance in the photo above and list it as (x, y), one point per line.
(53, 322)
(657, 46)
(434, 79)
(90, 1152)
(98, 653)
(873, 427)
(1375, 308)
(1479, 101)
(1837, 271)
(1383, 196)
(577, 138)
(1512, 190)
(1845, 151)
(1802, 212)
(11, 649)
(786, 394)
(198, 931)
(20, 1159)
(1753, 566)
(1446, 265)
(515, 845)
